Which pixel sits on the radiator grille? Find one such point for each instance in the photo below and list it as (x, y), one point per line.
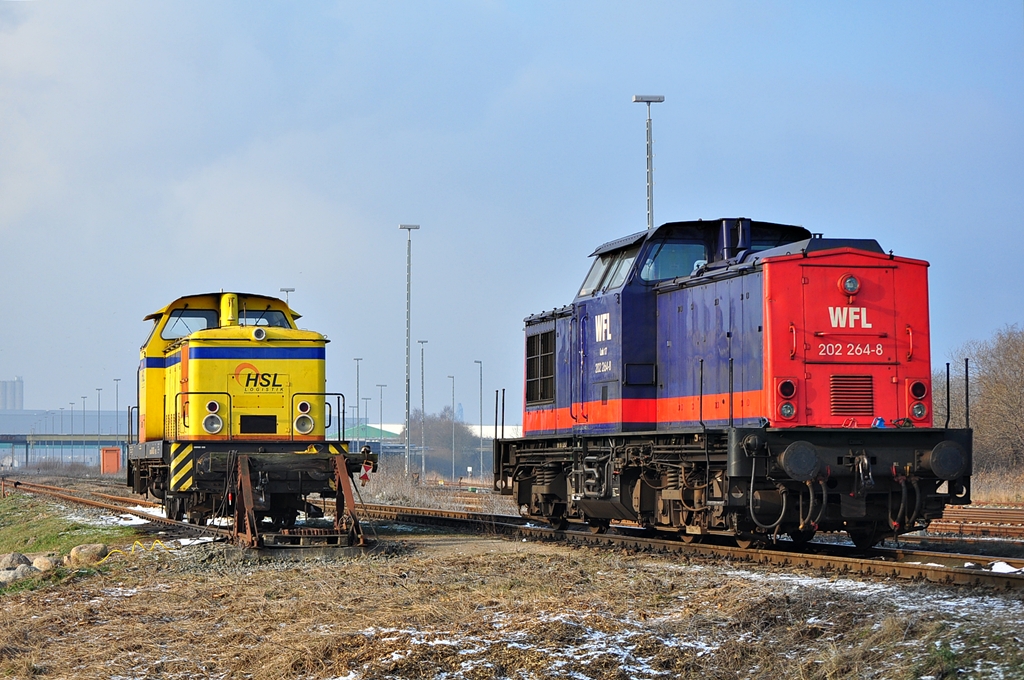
(852, 395)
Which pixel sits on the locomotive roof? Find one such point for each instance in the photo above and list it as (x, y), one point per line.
(699, 229)
(163, 310)
(817, 243)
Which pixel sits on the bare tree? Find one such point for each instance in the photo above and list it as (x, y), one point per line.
(438, 430)
(996, 397)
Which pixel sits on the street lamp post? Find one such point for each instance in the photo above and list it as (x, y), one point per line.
(99, 455)
(481, 449)
(408, 327)
(359, 429)
(380, 433)
(62, 437)
(649, 99)
(72, 432)
(83, 429)
(423, 418)
(117, 410)
(366, 410)
(453, 427)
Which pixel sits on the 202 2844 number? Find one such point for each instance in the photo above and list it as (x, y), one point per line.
(850, 349)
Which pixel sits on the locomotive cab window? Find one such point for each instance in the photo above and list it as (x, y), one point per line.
(670, 260)
(623, 263)
(540, 368)
(609, 271)
(263, 317)
(597, 274)
(182, 322)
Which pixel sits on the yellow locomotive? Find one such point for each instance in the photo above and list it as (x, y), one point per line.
(234, 420)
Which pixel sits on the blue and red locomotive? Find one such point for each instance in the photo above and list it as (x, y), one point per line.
(737, 378)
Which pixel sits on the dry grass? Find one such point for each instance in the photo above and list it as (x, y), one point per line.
(392, 487)
(998, 487)
(464, 607)
(467, 607)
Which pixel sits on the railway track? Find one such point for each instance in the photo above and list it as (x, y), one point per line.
(998, 522)
(299, 539)
(119, 504)
(937, 567)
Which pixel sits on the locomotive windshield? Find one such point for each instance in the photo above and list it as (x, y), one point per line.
(669, 260)
(266, 317)
(182, 322)
(609, 271)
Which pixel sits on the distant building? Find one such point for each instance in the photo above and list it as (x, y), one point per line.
(12, 395)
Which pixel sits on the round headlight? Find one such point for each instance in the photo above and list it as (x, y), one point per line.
(303, 424)
(918, 389)
(212, 406)
(213, 423)
(918, 410)
(304, 407)
(849, 284)
(787, 410)
(787, 389)
(259, 334)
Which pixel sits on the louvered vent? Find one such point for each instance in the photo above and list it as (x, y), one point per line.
(852, 395)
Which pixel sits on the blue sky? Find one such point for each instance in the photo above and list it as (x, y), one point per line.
(150, 150)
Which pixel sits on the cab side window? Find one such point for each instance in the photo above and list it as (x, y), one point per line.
(672, 260)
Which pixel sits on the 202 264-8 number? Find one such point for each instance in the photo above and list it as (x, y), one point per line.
(850, 349)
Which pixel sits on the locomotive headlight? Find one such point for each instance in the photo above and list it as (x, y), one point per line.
(259, 334)
(304, 407)
(918, 410)
(212, 406)
(304, 424)
(213, 423)
(849, 284)
(787, 410)
(918, 389)
(787, 389)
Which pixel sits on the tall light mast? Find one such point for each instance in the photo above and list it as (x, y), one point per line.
(649, 99)
(408, 341)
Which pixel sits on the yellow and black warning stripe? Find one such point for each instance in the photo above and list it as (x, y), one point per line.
(182, 466)
(338, 449)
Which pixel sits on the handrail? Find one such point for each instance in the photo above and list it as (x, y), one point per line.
(573, 322)
(130, 409)
(910, 352)
(583, 365)
(792, 329)
(327, 425)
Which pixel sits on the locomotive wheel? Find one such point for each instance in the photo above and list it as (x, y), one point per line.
(690, 538)
(174, 508)
(558, 523)
(864, 538)
(283, 519)
(800, 537)
(743, 543)
(598, 526)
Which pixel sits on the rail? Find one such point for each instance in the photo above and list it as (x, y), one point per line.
(935, 567)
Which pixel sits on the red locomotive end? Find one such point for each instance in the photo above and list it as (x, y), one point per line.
(847, 340)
